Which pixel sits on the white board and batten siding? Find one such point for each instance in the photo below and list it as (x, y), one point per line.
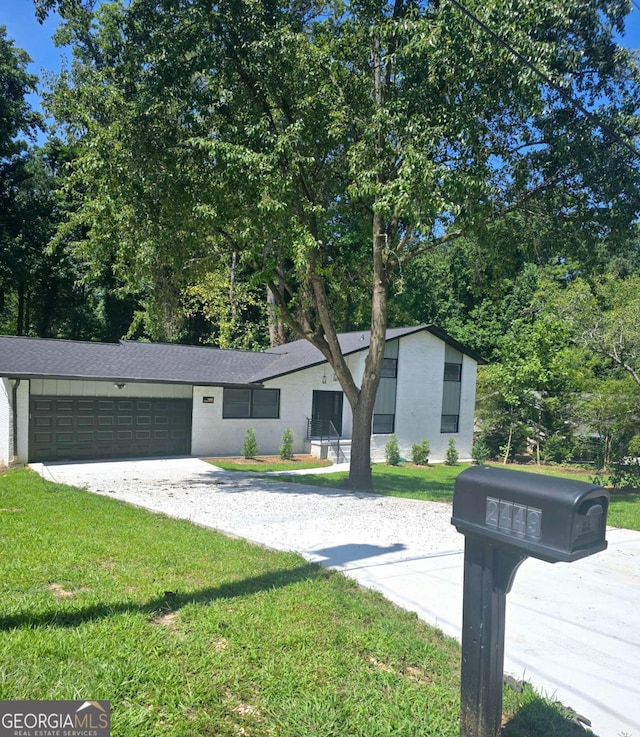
(82, 388)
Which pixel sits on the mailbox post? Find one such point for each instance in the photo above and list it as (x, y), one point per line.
(506, 517)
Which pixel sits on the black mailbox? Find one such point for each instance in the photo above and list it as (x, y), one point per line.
(548, 518)
(507, 516)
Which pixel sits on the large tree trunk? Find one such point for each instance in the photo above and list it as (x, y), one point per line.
(276, 326)
(22, 299)
(360, 468)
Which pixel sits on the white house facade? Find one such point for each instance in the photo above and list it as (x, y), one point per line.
(66, 400)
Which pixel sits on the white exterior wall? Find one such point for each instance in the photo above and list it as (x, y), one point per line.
(420, 378)
(418, 395)
(22, 454)
(9, 454)
(6, 439)
(215, 436)
(464, 438)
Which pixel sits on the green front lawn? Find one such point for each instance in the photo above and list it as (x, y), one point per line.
(267, 464)
(435, 483)
(429, 483)
(187, 632)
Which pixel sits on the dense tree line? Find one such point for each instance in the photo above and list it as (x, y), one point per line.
(239, 172)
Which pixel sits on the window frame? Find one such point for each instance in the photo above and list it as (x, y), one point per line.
(374, 431)
(391, 366)
(445, 431)
(251, 404)
(448, 366)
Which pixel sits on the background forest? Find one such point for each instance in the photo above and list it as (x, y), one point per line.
(548, 293)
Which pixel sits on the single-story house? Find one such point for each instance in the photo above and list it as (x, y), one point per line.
(73, 400)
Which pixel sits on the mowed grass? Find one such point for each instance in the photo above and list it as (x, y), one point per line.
(435, 483)
(428, 483)
(187, 632)
(266, 464)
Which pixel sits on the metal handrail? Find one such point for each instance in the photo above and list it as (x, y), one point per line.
(324, 430)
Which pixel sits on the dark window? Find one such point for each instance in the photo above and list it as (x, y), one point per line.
(251, 403)
(383, 424)
(389, 368)
(449, 423)
(265, 403)
(236, 403)
(453, 372)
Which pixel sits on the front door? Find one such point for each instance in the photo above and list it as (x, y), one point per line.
(327, 407)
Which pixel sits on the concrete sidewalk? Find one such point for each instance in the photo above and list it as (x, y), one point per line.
(572, 629)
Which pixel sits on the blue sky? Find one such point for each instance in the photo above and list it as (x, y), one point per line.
(19, 18)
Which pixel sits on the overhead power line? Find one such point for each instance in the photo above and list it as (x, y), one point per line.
(558, 88)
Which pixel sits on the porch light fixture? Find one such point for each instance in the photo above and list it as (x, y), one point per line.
(119, 386)
(324, 375)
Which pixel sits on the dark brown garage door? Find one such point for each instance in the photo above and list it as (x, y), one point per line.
(84, 428)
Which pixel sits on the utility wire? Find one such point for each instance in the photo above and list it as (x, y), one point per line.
(637, 7)
(558, 88)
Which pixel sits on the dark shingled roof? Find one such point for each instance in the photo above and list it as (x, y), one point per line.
(29, 358)
(127, 361)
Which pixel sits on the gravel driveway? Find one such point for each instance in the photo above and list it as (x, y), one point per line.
(572, 629)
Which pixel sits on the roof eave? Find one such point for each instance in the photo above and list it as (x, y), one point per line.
(129, 380)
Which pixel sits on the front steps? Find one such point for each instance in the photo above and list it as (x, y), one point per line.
(333, 450)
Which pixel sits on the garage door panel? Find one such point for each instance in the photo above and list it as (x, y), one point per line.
(81, 428)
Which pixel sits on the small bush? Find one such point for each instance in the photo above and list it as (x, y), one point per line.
(624, 475)
(452, 455)
(480, 452)
(250, 448)
(634, 446)
(420, 453)
(392, 451)
(286, 447)
(556, 449)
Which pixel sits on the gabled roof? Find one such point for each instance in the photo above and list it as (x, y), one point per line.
(302, 354)
(44, 358)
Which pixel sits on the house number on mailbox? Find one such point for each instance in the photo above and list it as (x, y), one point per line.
(516, 518)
